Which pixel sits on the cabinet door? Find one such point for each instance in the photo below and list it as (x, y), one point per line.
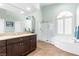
(25, 46)
(3, 51)
(14, 49)
(2, 48)
(33, 43)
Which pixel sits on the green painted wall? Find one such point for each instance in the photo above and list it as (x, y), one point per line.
(49, 14)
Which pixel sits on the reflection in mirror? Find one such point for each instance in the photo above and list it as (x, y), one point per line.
(13, 22)
(30, 24)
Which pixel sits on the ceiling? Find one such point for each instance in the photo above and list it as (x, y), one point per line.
(23, 7)
(45, 4)
(30, 4)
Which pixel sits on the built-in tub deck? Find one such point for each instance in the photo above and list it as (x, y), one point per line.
(67, 43)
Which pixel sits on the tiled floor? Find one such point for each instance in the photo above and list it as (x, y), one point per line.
(46, 49)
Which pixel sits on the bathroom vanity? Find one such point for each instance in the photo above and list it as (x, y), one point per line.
(17, 45)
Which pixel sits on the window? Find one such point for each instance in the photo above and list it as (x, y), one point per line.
(64, 21)
(60, 26)
(68, 26)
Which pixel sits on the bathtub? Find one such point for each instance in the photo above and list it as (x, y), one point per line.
(67, 44)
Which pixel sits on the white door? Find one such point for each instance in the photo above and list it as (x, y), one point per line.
(18, 26)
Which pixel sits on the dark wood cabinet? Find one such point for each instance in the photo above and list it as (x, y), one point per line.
(25, 45)
(32, 43)
(2, 48)
(14, 47)
(3, 51)
(20, 46)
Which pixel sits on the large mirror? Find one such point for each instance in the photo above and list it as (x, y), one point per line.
(11, 22)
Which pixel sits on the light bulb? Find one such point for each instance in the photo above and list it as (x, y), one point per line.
(22, 12)
(1, 4)
(28, 8)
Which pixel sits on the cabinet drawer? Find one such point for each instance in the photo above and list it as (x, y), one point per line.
(2, 51)
(15, 40)
(2, 43)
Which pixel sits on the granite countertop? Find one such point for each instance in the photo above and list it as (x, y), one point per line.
(5, 36)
